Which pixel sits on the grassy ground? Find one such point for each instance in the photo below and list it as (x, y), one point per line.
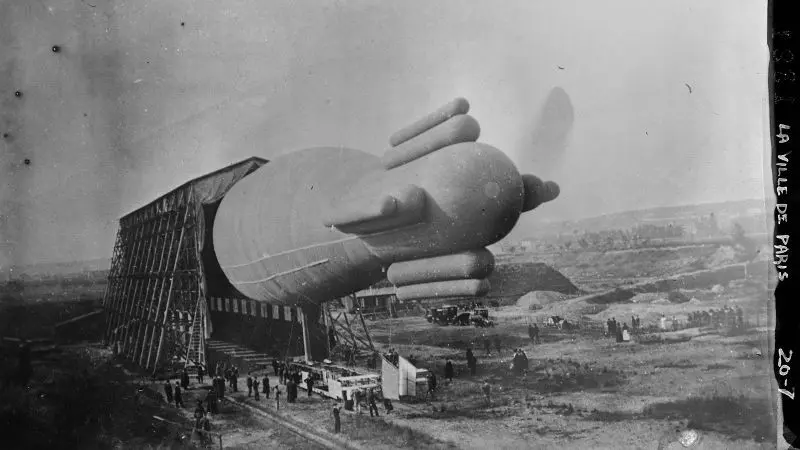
(587, 391)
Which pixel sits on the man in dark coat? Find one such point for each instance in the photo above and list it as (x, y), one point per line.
(255, 387)
(431, 385)
(249, 385)
(387, 404)
(310, 385)
(235, 379)
(448, 371)
(201, 373)
(199, 411)
(220, 387)
(229, 377)
(290, 391)
(211, 401)
(275, 366)
(265, 385)
(371, 403)
(337, 422)
(185, 379)
(178, 396)
(168, 391)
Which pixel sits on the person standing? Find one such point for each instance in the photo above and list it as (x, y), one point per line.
(202, 428)
(235, 379)
(185, 379)
(249, 385)
(487, 392)
(178, 396)
(487, 345)
(277, 397)
(265, 385)
(281, 373)
(387, 404)
(473, 365)
(337, 422)
(199, 411)
(432, 385)
(211, 401)
(255, 388)
(168, 391)
(310, 385)
(275, 366)
(290, 391)
(229, 377)
(448, 371)
(357, 400)
(201, 373)
(371, 403)
(220, 387)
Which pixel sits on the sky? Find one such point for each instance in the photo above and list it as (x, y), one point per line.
(134, 103)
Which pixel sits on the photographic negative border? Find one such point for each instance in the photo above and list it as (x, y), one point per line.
(783, 95)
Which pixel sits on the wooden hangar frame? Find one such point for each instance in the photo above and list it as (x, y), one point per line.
(155, 300)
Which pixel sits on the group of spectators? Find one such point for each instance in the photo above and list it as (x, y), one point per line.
(732, 317)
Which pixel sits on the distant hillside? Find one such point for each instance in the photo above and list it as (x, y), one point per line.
(750, 214)
(510, 281)
(61, 268)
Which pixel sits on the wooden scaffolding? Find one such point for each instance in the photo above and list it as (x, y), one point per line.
(155, 292)
(155, 301)
(346, 340)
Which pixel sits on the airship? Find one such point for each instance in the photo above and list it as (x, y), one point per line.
(319, 224)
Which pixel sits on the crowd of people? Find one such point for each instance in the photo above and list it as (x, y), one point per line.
(225, 379)
(619, 330)
(727, 316)
(369, 397)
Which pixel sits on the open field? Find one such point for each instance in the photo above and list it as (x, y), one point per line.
(585, 390)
